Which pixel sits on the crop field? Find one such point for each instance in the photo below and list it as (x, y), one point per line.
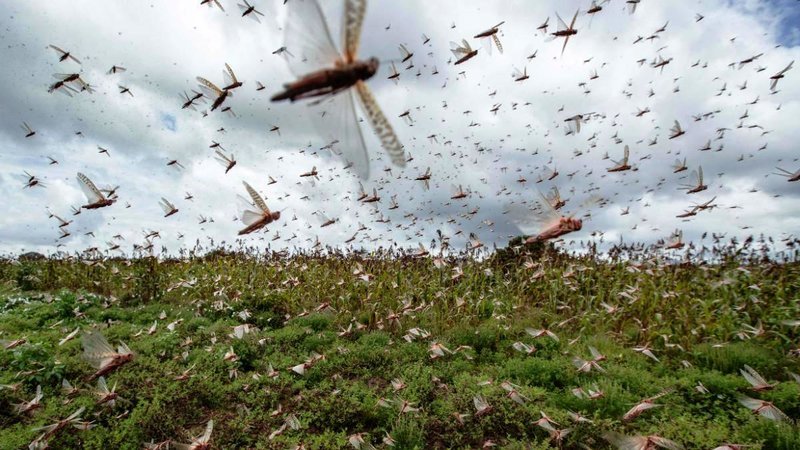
(387, 351)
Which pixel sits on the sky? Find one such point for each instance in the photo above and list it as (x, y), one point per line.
(473, 124)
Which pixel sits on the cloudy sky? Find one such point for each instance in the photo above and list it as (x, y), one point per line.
(499, 157)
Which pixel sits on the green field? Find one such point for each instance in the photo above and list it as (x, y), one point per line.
(362, 323)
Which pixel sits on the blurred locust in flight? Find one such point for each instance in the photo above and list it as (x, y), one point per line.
(323, 73)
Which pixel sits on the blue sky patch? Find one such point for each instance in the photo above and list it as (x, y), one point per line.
(169, 121)
(789, 29)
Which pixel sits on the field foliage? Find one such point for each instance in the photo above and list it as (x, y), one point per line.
(360, 322)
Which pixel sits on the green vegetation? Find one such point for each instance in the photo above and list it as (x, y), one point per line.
(363, 322)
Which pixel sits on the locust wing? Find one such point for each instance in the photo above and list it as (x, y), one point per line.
(561, 25)
(221, 158)
(323, 218)
(340, 122)
(354, 12)
(229, 76)
(308, 36)
(209, 89)
(497, 43)
(625, 156)
(58, 49)
(460, 50)
(531, 221)
(196, 442)
(554, 198)
(257, 199)
(249, 217)
(381, 125)
(574, 18)
(779, 75)
(96, 349)
(89, 189)
(166, 206)
(207, 434)
(247, 212)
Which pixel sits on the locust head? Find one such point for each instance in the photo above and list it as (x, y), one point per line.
(368, 68)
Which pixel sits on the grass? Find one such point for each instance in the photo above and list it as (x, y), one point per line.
(703, 322)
